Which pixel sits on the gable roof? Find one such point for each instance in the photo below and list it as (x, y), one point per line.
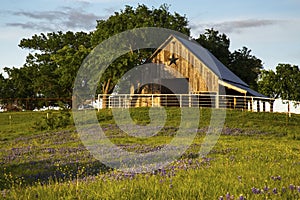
(211, 61)
(218, 68)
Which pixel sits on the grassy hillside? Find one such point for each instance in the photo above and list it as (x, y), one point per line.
(256, 157)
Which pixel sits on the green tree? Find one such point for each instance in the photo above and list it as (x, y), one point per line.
(3, 87)
(68, 60)
(142, 16)
(19, 83)
(56, 60)
(246, 66)
(127, 19)
(267, 84)
(217, 43)
(284, 83)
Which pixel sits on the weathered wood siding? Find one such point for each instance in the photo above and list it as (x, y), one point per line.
(201, 78)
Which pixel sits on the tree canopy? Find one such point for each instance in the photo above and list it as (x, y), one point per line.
(217, 43)
(284, 83)
(128, 19)
(141, 16)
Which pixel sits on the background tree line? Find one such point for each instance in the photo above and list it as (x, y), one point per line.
(50, 69)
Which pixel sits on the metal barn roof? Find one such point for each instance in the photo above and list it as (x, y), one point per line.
(216, 66)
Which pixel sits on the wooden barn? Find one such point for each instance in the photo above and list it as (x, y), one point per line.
(202, 81)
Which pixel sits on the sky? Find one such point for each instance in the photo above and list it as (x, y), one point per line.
(269, 28)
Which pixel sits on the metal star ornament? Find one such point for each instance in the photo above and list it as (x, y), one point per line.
(173, 60)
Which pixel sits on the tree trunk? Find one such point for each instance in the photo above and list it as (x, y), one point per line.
(105, 88)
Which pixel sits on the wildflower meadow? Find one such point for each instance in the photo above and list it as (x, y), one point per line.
(256, 157)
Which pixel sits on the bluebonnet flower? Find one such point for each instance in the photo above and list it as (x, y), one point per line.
(275, 191)
(266, 188)
(255, 190)
(227, 196)
(283, 189)
(276, 178)
(292, 187)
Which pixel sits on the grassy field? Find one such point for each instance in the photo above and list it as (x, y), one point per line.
(256, 157)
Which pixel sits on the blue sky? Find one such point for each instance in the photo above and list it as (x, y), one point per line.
(270, 28)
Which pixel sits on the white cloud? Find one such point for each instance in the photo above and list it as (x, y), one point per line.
(65, 18)
(236, 25)
(104, 1)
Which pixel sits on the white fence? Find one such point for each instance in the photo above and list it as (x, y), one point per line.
(286, 106)
(255, 104)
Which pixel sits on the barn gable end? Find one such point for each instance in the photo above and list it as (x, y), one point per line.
(190, 69)
(204, 71)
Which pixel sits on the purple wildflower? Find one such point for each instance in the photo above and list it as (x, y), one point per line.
(221, 198)
(292, 187)
(241, 197)
(163, 172)
(283, 189)
(266, 188)
(132, 175)
(298, 188)
(276, 178)
(255, 190)
(275, 191)
(227, 196)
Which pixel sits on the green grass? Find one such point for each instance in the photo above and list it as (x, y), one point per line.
(255, 150)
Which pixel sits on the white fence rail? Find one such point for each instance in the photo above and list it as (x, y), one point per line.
(256, 104)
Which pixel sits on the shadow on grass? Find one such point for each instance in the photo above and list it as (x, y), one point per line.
(43, 172)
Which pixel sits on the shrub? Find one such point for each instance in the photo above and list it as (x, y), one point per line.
(54, 120)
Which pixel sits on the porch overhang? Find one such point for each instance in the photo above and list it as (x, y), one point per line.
(233, 87)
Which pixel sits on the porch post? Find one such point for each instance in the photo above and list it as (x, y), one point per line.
(258, 106)
(272, 106)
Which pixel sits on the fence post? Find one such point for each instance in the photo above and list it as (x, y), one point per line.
(98, 102)
(271, 105)
(234, 102)
(180, 100)
(258, 105)
(251, 105)
(152, 102)
(217, 100)
(108, 102)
